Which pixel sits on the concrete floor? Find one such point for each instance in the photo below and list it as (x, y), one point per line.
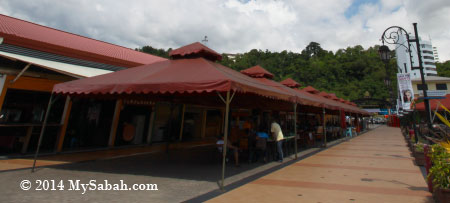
(180, 175)
(374, 167)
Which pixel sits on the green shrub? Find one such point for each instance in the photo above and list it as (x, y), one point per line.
(418, 147)
(440, 171)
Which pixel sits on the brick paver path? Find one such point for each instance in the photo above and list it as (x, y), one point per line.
(374, 167)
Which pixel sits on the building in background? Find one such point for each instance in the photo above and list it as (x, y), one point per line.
(436, 55)
(433, 83)
(428, 58)
(33, 58)
(231, 56)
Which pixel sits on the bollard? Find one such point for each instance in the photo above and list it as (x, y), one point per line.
(426, 149)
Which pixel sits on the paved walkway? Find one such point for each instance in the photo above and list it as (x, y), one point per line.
(74, 157)
(374, 167)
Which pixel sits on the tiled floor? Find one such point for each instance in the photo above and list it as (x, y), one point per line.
(374, 167)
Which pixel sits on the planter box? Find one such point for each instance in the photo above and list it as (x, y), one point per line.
(442, 195)
(420, 158)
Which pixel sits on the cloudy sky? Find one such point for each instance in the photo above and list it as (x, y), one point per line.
(235, 26)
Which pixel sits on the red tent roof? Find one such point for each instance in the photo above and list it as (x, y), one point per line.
(346, 107)
(257, 72)
(194, 50)
(172, 76)
(324, 94)
(334, 97)
(330, 102)
(434, 103)
(322, 101)
(326, 103)
(311, 90)
(301, 98)
(30, 35)
(290, 83)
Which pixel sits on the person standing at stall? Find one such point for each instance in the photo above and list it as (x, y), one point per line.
(277, 134)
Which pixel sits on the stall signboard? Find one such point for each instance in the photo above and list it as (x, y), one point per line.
(406, 90)
(434, 93)
(384, 112)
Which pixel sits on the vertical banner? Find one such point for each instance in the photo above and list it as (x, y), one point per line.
(406, 90)
(2, 82)
(2, 94)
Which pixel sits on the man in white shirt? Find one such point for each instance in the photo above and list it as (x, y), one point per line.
(275, 129)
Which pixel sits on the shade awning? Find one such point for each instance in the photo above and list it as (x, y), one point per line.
(182, 75)
(76, 71)
(290, 83)
(300, 98)
(326, 103)
(259, 73)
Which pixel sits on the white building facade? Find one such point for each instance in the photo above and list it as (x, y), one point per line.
(403, 58)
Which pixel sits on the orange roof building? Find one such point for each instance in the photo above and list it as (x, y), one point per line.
(34, 58)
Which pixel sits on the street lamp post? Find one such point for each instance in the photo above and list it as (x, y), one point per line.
(392, 36)
(385, 55)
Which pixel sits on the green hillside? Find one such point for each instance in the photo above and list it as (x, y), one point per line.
(349, 72)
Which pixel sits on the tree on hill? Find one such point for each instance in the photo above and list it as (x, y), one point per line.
(443, 69)
(157, 52)
(348, 73)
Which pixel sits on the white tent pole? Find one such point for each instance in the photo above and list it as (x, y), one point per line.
(50, 102)
(225, 139)
(295, 129)
(324, 129)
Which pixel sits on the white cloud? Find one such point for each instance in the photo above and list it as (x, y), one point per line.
(238, 26)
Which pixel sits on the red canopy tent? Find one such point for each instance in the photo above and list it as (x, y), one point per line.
(264, 76)
(309, 92)
(332, 101)
(347, 106)
(290, 83)
(342, 114)
(192, 73)
(312, 92)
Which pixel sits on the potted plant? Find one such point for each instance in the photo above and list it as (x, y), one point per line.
(418, 154)
(440, 173)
